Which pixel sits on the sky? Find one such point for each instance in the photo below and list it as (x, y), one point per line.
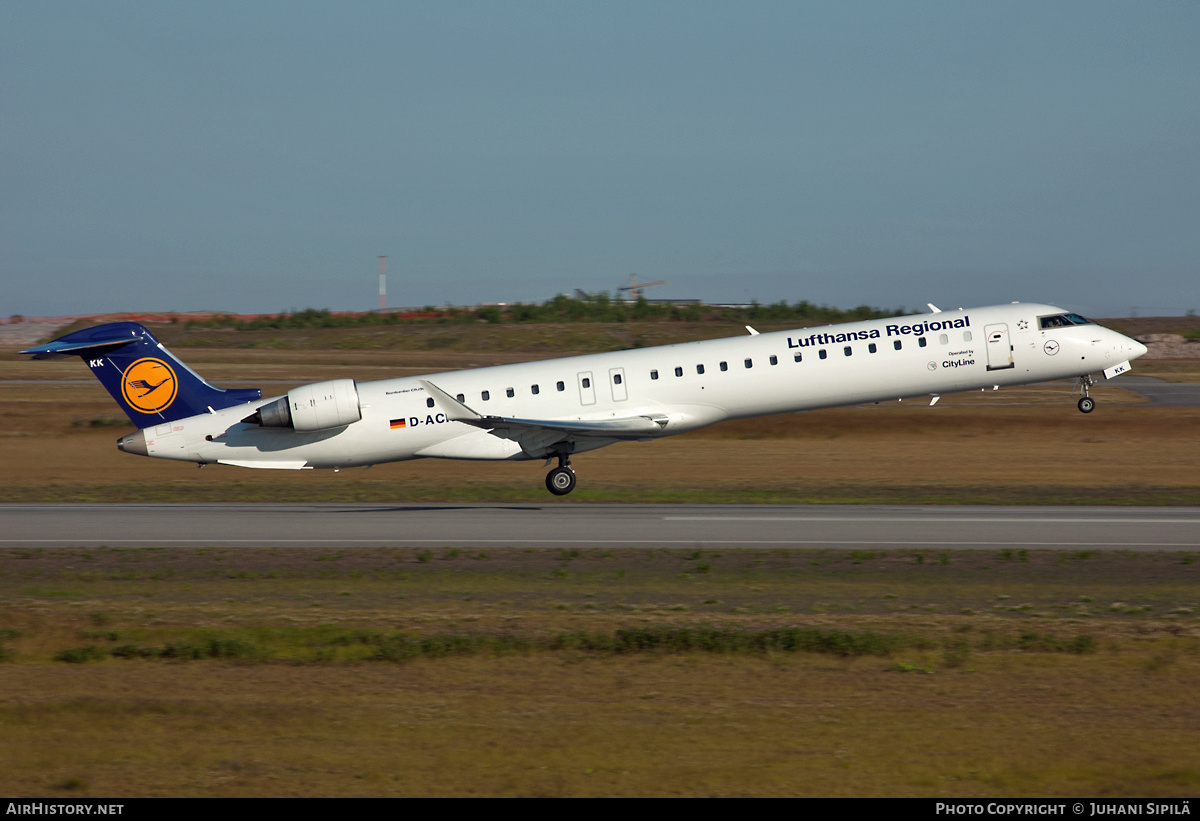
(260, 156)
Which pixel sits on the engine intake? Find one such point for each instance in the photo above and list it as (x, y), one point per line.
(319, 406)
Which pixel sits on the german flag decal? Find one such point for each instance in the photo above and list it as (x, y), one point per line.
(399, 423)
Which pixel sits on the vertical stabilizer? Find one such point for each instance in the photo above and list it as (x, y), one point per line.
(150, 384)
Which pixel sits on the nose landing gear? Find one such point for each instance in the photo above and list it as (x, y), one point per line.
(561, 480)
(1086, 403)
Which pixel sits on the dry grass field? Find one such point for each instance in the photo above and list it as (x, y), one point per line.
(278, 671)
(58, 430)
(504, 672)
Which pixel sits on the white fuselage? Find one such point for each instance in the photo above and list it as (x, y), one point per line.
(691, 385)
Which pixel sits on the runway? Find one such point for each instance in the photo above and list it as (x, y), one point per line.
(558, 525)
(1162, 392)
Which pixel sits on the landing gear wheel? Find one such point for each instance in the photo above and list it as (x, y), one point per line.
(560, 481)
(1087, 404)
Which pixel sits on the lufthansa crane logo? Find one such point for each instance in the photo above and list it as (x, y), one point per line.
(149, 385)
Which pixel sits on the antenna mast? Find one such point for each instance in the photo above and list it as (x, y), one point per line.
(382, 283)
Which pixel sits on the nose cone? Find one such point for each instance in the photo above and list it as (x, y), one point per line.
(133, 443)
(1136, 348)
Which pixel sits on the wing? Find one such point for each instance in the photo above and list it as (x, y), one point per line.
(535, 435)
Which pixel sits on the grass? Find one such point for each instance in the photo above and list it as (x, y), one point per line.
(1123, 454)
(987, 447)
(213, 671)
(427, 671)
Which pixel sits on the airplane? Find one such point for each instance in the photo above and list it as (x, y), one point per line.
(557, 408)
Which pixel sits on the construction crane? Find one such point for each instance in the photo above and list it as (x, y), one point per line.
(635, 288)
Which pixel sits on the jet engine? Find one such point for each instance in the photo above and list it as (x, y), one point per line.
(319, 406)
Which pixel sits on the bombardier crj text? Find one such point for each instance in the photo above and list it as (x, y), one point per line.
(554, 409)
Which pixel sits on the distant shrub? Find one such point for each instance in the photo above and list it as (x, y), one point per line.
(733, 640)
(101, 422)
(80, 655)
(134, 651)
(403, 647)
(1030, 641)
(955, 652)
(598, 307)
(212, 648)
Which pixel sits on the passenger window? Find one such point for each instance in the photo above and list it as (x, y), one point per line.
(967, 336)
(560, 386)
(921, 343)
(749, 363)
(679, 371)
(872, 348)
(724, 366)
(654, 374)
(461, 398)
(823, 353)
(796, 357)
(847, 350)
(509, 392)
(429, 402)
(587, 383)
(486, 395)
(616, 379)
(535, 390)
(943, 339)
(699, 369)
(774, 360)
(896, 344)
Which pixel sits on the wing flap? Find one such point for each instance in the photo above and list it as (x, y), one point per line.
(628, 427)
(536, 434)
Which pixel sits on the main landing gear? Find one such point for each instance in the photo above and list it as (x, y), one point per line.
(561, 480)
(1086, 403)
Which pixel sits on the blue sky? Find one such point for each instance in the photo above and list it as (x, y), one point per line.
(258, 156)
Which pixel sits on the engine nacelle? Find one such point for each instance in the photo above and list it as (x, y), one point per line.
(319, 406)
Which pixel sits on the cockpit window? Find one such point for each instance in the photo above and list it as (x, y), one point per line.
(1063, 320)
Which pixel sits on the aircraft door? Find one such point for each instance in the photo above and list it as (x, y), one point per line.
(616, 377)
(999, 348)
(587, 388)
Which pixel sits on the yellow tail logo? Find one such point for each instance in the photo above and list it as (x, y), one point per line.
(149, 385)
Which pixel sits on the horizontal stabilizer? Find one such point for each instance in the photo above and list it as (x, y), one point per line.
(92, 342)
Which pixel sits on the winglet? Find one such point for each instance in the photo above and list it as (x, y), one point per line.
(455, 411)
(752, 331)
(933, 308)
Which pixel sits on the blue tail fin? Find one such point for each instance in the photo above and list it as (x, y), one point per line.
(148, 382)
